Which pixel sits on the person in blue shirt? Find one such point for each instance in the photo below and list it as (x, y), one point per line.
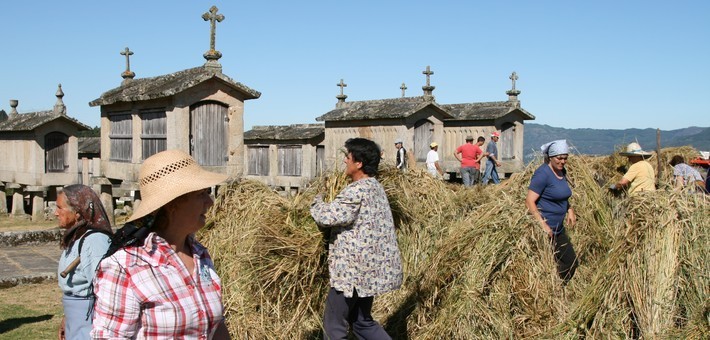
(548, 202)
(86, 238)
(493, 162)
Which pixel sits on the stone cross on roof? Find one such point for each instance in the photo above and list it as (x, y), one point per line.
(513, 77)
(127, 74)
(212, 55)
(428, 89)
(341, 97)
(513, 93)
(403, 88)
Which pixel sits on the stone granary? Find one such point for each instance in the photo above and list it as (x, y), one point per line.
(285, 157)
(198, 110)
(418, 121)
(39, 152)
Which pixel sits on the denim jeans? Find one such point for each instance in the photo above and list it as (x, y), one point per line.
(491, 173)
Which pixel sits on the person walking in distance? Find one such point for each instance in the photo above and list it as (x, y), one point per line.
(432, 161)
(492, 163)
(401, 155)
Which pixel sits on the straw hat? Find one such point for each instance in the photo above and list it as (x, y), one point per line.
(433, 145)
(168, 175)
(469, 137)
(634, 149)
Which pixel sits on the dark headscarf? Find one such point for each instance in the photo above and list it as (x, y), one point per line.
(92, 215)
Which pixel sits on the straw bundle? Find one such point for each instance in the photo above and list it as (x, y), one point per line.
(475, 264)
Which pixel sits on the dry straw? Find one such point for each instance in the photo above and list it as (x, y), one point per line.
(476, 265)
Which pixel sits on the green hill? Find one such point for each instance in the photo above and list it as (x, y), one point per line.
(606, 141)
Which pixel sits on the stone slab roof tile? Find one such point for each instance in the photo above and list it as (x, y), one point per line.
(484, 110)
(380, 109)
(285, 132)
(32, 120)
(168, 85)
(90, 145)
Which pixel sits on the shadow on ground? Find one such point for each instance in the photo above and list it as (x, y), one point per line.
(10, 324)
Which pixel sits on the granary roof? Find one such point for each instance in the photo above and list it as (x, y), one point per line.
(32, 120)
(485, 110)
(90, 145)
(285, 132)
(381, 108)
(167, 85)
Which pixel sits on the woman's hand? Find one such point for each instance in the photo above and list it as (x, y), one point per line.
(530, 200)
(571, 217)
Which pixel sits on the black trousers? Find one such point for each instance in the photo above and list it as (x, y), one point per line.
(342, 312)
(564, 256)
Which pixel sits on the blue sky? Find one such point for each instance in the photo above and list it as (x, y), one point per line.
(581, 64)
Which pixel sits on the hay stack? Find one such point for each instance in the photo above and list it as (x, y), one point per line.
(475, 264)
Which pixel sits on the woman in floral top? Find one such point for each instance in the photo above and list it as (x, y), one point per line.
(364, 258)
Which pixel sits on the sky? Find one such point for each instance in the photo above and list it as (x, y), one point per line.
(581, 64)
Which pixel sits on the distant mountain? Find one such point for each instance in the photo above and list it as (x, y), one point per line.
(606, 141)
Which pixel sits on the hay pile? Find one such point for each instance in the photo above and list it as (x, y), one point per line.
(476, 265)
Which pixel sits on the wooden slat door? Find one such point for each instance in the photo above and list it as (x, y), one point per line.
(55, 145)
(506, 144)
(423, 133)
(208, 133)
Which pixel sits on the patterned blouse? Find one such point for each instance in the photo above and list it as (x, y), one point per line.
(147, 292)
(363, 252)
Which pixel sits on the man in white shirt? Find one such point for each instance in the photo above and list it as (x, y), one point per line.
(432, 160)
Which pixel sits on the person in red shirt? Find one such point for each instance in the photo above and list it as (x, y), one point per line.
(470, 155)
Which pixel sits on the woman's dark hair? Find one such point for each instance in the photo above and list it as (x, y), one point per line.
(677, 159)
(365, 151)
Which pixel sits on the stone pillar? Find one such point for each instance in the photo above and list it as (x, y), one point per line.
(107, 200)
(85, 171)
(37, 206)
(3, 199)
(18, 204)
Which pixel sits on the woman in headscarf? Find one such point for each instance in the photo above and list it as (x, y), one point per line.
(85, 241)
(548, 202)
(157, 280)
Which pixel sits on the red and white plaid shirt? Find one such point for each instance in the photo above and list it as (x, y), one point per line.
(147, 292)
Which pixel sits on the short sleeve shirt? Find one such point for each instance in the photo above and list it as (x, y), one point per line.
(431, 158)
(469, 153)
(554, 196)
(641, 176)
(687, 172)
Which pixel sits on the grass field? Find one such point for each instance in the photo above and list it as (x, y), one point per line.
(17, 224)
(30, 311)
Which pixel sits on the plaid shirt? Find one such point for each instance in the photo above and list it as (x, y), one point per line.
(147, 292)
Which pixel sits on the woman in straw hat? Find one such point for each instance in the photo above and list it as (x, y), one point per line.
(157, 281)
(640, 176)
(85, 241)
(548, 202)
